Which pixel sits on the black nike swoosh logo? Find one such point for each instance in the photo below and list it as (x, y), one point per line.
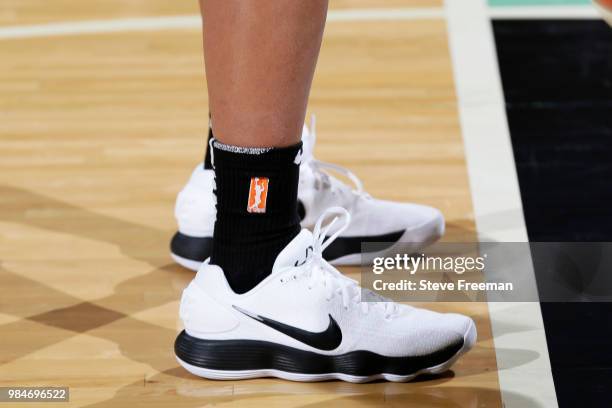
(327, 340)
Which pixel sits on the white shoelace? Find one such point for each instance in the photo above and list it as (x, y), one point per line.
(323, 273)
(319, 166)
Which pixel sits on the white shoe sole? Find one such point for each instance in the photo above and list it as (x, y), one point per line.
(186, 263)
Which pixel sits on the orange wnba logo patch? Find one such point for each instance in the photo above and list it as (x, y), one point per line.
(258, 194)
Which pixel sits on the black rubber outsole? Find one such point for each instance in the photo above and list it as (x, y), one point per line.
(237, 355)
(196, 249)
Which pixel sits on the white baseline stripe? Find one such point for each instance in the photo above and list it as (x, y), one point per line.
(517, 327)
(101, 26)
(417, 13)
(193, 22)
(586, 11)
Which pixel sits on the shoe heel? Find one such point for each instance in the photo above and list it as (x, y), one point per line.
(189, 251)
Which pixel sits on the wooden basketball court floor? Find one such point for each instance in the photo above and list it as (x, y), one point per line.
(103, 118)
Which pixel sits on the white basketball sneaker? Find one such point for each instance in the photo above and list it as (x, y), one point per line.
(305, 322)
(404, 227)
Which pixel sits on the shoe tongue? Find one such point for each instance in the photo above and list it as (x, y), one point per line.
(295, 253)
(307, 144)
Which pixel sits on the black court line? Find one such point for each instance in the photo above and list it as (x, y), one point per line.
(557, 78)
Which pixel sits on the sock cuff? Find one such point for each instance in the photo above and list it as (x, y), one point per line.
(255, 157)
(240, 149)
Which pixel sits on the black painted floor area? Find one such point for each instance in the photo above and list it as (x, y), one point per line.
(557, 78)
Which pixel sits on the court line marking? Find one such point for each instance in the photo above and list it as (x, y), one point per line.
(406, 13)
(496, 198)
(101, 26)
(193, 21)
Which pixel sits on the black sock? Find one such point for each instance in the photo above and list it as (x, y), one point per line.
(257, 213)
